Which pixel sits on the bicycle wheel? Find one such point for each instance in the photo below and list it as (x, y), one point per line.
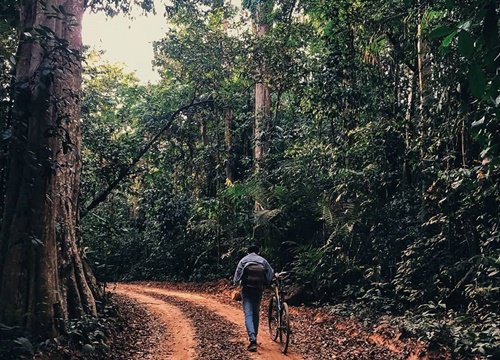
(285, 330)
(273, 318)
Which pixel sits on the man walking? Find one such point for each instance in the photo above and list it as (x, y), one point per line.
(253, 273)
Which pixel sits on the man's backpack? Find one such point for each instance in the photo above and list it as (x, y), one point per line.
(254, 276)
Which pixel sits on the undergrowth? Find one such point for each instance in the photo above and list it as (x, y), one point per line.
(84, 338)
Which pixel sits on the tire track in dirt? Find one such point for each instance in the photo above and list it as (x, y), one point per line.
(216, 338)
(267, 349)
(180, 343)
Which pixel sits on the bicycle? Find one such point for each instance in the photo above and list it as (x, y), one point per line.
(278, 315)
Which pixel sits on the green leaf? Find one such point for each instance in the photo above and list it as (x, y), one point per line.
(441, 31)
(465, 44)
(447, 40)
(478, 122)
(477, 81)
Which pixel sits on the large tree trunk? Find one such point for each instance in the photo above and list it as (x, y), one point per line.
(42, 278)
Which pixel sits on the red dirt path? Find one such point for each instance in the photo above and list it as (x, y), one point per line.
(205, 323)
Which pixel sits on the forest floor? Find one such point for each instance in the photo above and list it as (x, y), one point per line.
(202, 321)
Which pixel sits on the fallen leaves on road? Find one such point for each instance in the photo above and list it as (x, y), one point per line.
(216, 338)
(140, 332)
(319, 335)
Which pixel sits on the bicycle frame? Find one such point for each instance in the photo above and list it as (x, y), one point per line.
(279, 305)
(279, 293)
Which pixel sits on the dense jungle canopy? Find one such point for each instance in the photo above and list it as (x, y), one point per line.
(356, 141)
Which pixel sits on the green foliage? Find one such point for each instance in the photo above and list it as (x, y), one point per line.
(380, 185)
(478, 43)
(114, 7)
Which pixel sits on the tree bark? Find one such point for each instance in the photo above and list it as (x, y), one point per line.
(42, 278)
(262, 93)
(262, 112)
(261, 28)
(424, 70)
(203, 132)
(407, 176)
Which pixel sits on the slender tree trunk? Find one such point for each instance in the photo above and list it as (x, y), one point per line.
(407, 176)
(262, 112)
(423, 67)
(42, 278)
(203, 132)
(207, 175)
(262, 93)
(420, 64)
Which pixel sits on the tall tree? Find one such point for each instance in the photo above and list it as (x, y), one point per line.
(42, 277)
(261, 11)
(261, 26)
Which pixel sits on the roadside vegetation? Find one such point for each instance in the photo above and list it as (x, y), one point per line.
(356, 141)
(379, 184)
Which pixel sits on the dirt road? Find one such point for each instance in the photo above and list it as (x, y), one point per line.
(200, 321)
(200, 326)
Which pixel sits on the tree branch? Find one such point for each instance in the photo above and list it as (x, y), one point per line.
(126, 170)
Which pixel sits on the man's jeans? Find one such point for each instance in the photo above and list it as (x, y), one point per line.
(251, 305)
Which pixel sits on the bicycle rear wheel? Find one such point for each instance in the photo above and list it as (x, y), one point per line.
(273, 318)
(285, 330)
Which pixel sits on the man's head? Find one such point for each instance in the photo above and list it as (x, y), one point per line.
(253, 249)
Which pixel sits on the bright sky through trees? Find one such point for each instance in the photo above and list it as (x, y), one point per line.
(126, 40)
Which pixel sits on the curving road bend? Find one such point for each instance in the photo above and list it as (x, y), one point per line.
(193, 320)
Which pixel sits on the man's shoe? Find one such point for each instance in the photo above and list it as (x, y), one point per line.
(253, 346)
